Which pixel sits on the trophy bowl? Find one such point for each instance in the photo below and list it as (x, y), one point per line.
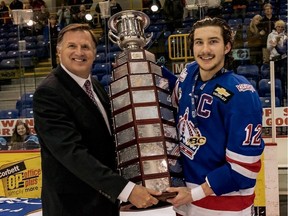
(127, 29)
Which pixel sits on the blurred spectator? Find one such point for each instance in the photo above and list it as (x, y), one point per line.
(81, 16)
(4, 12)
(74, 9)
(87, 3)
(37, 4)
(15, 5)
(255, 40)
(276, 38)
(267, 23)
(276, 43)
(64, 16)
(266, 26)
(190, 10)
(115, 7)
(51, 32)
(41, 18)
(239, 8)
(20, 133)
(214, 8)
(3, 144)
(173, 11)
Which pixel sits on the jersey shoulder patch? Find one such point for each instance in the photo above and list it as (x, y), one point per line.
(222, 93)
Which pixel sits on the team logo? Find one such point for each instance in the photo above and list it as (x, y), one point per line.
(195, 140)
(190, 136)
(222, 93)
(245, 87)
(183, 75)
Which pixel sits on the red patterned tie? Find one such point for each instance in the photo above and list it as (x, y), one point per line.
(88, 90)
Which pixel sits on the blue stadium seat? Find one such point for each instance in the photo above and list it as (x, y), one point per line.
(27, 62)
(13, 35)
(3, 47)
(155, 28)
(3, 55)
(265, 71)
(27, 96)
(249, 71)
(9, 114)
(102, 68)
(3, 144)
(27, 113)
(42, 49)
(4, 35)
(30, 39)
(106, 80)
(31, 45)
(253, 82)
(100, 58)
(111, 56)
(234, 22)
(264, 86)
(167, 34)
(101, 48)
(3, 41)
(8, 64)
(247, 21)
(266, 102)
(40, 37)
(25, 101)
(251, 14)
(13, 28)
(12, 46)
(29, 53)
(13, 54)
(115, 48)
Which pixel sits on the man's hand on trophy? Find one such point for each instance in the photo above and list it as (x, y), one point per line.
(183, 196)
(142, 197)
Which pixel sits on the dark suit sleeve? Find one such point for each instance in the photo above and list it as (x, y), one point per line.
(60, 123)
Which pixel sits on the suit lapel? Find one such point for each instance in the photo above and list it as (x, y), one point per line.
(79, 94)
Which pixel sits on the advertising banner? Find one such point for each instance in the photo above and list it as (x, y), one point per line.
(20, 174)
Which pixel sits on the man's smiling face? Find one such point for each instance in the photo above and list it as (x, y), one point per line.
(77, 52)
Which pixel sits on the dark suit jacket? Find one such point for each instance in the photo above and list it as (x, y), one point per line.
(77, 151)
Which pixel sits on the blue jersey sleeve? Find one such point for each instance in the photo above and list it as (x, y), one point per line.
(243, 122)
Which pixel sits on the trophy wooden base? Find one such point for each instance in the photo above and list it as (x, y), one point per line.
(162, 203)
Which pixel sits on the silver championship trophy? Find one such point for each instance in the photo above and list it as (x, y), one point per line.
(143, 116)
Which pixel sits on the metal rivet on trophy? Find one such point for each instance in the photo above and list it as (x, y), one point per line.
(143, 116)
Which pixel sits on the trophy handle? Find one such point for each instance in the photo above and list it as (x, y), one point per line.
(113, 37)
(148, 39)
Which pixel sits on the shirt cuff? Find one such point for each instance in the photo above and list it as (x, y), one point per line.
(197, 193)
(125, 193)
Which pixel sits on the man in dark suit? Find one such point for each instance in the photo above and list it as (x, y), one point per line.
(77, 147)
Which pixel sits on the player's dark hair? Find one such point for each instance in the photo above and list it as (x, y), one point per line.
(226, 33)
(75, 27)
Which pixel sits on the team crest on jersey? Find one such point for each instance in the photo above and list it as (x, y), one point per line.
(223, 94)
(245, 87)
(190, 136)
(183, 75)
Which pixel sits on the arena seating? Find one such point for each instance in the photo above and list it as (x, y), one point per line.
(9, 114)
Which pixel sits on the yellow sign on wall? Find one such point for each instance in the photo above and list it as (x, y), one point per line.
(20, 174)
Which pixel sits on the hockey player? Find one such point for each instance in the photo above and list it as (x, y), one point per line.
(219, 125)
